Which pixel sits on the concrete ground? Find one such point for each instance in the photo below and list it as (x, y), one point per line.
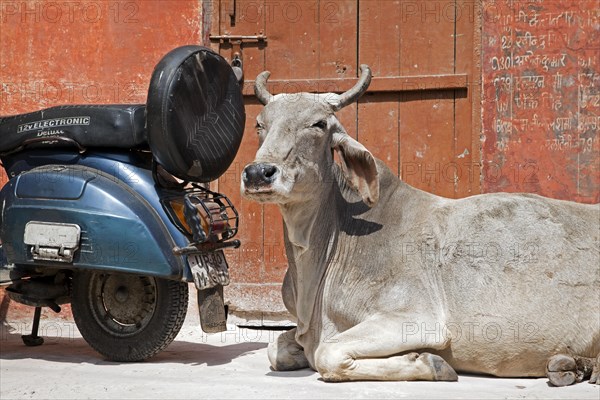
(229, 365)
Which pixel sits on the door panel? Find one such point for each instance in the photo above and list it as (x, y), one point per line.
(426, 117)
(426, 140)
(417, 39)
(417, 115)
(467, 117)
(379, 113)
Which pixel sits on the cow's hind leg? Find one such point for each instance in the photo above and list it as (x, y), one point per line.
(565, 370)
(285, 354)
(369, 351)
(341, 366)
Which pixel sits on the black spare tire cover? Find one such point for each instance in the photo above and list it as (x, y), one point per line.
(195, 114)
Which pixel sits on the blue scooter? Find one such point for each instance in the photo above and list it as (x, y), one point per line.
(107, 207)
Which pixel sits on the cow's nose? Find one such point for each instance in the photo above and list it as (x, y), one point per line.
(260, 174)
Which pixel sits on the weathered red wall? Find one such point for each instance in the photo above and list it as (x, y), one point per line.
(541, 98)
(87, 51)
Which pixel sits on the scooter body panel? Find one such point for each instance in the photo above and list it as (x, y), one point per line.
(109, 196)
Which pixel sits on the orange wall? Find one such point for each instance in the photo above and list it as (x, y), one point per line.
(541, 108)
(87, 51)
(540, 81)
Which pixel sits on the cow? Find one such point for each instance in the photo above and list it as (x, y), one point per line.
(388, 282)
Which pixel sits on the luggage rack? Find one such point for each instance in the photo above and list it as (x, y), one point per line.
(210, 215)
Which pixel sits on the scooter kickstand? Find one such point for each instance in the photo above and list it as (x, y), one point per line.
(34, 339)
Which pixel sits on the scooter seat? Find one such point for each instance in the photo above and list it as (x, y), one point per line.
(85, 126)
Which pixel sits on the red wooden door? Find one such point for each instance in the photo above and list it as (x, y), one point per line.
(417, 115)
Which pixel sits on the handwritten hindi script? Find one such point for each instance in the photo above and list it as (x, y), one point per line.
(541, 112)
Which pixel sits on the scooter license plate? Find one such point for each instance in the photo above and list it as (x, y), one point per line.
(209, 269)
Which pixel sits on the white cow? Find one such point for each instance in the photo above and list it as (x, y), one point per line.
(388, 282)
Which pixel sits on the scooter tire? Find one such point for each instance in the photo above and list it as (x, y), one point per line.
(127, 318)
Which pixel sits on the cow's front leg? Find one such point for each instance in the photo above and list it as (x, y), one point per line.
(285, 354)
(368, 351)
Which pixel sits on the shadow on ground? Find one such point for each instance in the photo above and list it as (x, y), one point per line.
(76, 350)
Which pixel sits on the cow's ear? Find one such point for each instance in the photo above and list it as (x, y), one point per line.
(359, 166)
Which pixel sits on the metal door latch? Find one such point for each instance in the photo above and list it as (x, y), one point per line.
(236, 42)
(238, 39)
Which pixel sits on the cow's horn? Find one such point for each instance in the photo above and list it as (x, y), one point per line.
(355, 92)
(260, 87)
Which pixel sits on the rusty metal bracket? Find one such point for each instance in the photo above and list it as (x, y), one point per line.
(237, 41)
(241, 38)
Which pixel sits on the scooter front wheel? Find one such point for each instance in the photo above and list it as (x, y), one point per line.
(128, 317)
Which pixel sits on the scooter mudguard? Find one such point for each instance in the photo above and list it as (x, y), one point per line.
(212, 310)
(74, 216)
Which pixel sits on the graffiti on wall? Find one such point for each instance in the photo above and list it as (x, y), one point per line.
(541, 109)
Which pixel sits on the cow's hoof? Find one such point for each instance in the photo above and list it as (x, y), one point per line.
(442, 371)
(285, 354)
(562, 378)
(595, 377)
(561, 370)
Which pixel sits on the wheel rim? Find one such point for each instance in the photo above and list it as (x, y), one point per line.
(122, 304)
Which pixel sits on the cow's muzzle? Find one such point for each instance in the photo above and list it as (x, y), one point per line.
(259, 175)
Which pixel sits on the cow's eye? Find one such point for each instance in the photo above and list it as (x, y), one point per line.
(322, 124)
(259, 127)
